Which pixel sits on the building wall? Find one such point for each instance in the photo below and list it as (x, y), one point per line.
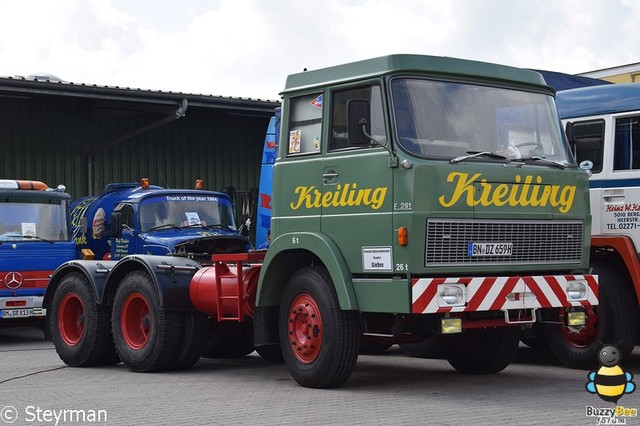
(55, 138)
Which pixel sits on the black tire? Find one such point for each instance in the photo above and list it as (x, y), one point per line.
(80, 328)
(427, 348)
(147, 337)
(615, 323)
(271, 353)
(230, 343)
(194, 339)
(327, 355)
(534, 338)
(372, 347)
(482, 351)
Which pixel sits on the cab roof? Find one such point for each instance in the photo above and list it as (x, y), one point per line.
(598, 100)
(403, 63)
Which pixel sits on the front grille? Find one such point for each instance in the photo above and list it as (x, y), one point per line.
(534, 241)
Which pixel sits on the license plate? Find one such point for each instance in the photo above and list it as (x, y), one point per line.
(16, 313)
(490, 249)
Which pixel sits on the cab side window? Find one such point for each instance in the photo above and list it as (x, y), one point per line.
(305, 124)
(126, 214)
(340, 99)
(627, 144)
(588, 141)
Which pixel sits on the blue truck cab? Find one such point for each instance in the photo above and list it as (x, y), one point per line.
(139, 218)
(35, 238)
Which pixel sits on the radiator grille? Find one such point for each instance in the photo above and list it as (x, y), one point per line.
(534, 241)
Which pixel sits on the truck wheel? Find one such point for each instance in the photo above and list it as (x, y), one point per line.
(234, 343)
(482, 351)
(372, 347)
(319, 341)
(427, 348)
(147, 337)
(271, 353)
(79, 327)
(614, 321)
(194, 339)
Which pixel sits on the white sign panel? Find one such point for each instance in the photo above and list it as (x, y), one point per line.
(376, 259)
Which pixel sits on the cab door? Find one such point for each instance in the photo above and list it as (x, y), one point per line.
(357, 182)
(129, 240)
(297, 175)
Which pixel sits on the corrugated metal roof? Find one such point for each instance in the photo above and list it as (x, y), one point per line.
(51, 85)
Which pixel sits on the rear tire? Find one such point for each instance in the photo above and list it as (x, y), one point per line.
(427, 348)
(79, 326)
(320, 342)
(271, 353)
(482, 351)
(613, 321)
(229, 341)
(147, 337)
(194, 339)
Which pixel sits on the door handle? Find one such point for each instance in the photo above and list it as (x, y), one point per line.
(329, 176)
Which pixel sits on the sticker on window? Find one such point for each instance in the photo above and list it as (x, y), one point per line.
(317, 102)
(192, 218)
(294, 141)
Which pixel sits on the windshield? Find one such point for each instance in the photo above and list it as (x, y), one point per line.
(33, 222)
(446, 119)
(186, 210)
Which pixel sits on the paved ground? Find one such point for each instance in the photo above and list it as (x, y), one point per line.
(388, 389)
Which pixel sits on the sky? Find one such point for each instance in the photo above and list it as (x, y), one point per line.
(246, 48)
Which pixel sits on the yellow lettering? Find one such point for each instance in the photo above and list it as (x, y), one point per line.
(304, 195)
(462, 186)
(347, 195)
(523, 192)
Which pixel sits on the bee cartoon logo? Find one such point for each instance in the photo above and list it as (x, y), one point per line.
(610, 381)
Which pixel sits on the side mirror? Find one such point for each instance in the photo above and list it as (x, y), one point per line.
(116, 225)
(569, 132)
(358, 114)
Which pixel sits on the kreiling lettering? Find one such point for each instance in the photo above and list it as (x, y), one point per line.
(525, 192)
(347, 195)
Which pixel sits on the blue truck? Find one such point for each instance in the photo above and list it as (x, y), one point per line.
(140, 218)
(35, 238)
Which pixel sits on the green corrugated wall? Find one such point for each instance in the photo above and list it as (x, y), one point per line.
(51, 138)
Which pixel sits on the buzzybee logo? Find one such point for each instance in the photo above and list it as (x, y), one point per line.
(610, 382)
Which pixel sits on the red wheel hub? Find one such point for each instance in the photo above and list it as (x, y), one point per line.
(304, 328)
(135, 321)
(71, 319)
(583, 336)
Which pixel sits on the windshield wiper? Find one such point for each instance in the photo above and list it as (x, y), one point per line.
(195, 225)
(476, 154)
(165, 225)
(35, 237)
(545, 161)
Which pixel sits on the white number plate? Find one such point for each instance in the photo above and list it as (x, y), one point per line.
(490, 249)
(16, 313)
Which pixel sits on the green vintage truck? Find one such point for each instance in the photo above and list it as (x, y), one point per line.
(413, 197)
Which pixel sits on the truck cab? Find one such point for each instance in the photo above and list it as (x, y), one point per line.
(434, 192)
(35, 238)
(603, 127)
(139, 218)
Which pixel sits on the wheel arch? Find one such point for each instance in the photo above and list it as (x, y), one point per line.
(620, 251)
(95, 271)
(171, 276)
(285, 257)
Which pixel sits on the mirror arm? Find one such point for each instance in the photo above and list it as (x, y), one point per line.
(393, 158)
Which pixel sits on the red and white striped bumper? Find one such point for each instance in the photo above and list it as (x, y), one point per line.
(502, 293)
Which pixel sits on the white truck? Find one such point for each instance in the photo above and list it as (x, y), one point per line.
(603, 127)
